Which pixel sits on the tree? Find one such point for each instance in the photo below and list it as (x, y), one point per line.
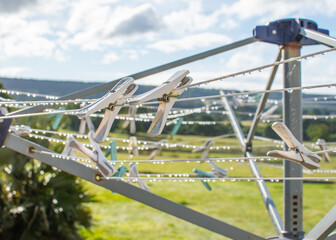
(38, 201)
(315, 131)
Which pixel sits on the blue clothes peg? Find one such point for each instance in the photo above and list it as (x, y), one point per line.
(204, 174)
(58, 118)
(112, 151)
(177, 126)
(121, 171)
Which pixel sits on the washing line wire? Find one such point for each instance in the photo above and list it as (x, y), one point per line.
(203, 82)
(258, 68)
(227, 179)
(291, 89)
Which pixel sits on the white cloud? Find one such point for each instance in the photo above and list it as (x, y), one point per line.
(95, 26)
(19, 37)
(190, 19)
(267, 10)
(110, 57)
(190, 42)
(12, 71)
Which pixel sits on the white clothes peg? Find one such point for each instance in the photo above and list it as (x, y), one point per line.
(82, 126)
(105, 167)
(297, 152)
(157, 148)
(96, 155)
(219, 172)
(89, 123)
(107, 100)
(131, 113)
(167, 94)
(133, 146)
(269, 112)
(67, 150)
(111, 113)
(323, 146)
(133, 172)
(205, 148)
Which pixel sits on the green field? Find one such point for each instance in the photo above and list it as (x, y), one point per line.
(237, 203)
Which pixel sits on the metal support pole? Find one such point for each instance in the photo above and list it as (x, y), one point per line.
(107, 86)
(292, 114)
(324, 227)
(265, 194)
(31, 150)
(262, 102)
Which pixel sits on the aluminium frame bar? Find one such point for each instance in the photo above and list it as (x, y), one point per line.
(107, 86)
(319, 37)
(264, 192)
(262, 101)
(324, 227)
(26, 147)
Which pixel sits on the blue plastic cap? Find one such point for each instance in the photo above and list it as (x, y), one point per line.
(287, 30)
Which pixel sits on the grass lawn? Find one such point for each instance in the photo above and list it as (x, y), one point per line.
(237, 203)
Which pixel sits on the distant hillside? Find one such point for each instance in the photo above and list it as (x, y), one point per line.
(60, 88)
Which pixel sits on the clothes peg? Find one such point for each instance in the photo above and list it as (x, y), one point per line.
(82, 126)
(111, 113)
(323, 146)
(177, 126)
(157, 148)
(58, 118)
(21, 130)
(105, 167)
(219, 172)
(112, 151)
(203, 174)
(89, 124)
(133, 172)
(131, 113)
(205, 148)
(167, 94)
(108, 100)
(297, 152)
(96, 155)
(67, 150)
(121, 171)
(133, 145)
(269, 112)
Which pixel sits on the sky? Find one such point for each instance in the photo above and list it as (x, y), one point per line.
(102, 40)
